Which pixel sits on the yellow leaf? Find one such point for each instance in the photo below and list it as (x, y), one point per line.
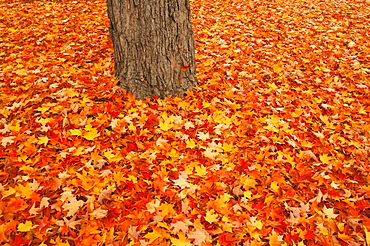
(109, 155)
(278, 68)
(182, 241)
(249, 183)
(227, 147)
(325, 159)
(15, 128)
(269, 200)
(248, 194)
(24, 191)
(324, 69)
(59, 242)
(165, 126)
(21, 72)
(301, 243)
(42, 109)
(224, 198)
(75, 132)
(79, 151)
(173, 153)
(90, 135)
(190, 143)
(43, 140)
(152, 236)
(5, 112)
(362, 111)
(167, 209)
(367, 235)
(23, 227)
(259, 224)
(8, 192)
(274, 240)
(344, 237)
(43, 121)
(70, 92)
(272, 86)
(201, 170)
(211, 217)
(274, 186)
(132, 127)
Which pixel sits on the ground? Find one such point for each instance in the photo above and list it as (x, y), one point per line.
(272, 148)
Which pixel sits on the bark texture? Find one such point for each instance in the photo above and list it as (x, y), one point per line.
(153, 45)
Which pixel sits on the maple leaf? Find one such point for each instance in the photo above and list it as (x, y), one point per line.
(133, 232)
(211, 216)
(367, 235)
(274, 186)
(105, 194)
(274, 240)
(325, 159)
(181, 241)
(76, 132)
(185, 207)
(91, 134)
(200, 236)
(278, 68)
(227, 147)
(8, 192)
(203, 136)
(165, 126)
(152, 236)
(161, 142)
(320, 197)
(190, 143)
(25, 190)
(42, 109)
(44, 202)
(329, 212)
(344, 237)
(201, 170)
(33, 210)
(43, 140)
(210, 152)
(188, 125)
(179, 226)
(166, 209)
(182, 181)
(72, 223)
(100, 213)
(27, 226)
(73, 205)
(7, 140)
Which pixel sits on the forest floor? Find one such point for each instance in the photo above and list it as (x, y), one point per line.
(272, 148)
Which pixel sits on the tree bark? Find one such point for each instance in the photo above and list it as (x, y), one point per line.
(153, 44)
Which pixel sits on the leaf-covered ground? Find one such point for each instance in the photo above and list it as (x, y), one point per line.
(271, 149)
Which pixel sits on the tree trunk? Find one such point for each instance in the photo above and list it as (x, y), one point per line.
(153, 45)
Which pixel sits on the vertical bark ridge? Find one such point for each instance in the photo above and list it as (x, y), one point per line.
(153, 46)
